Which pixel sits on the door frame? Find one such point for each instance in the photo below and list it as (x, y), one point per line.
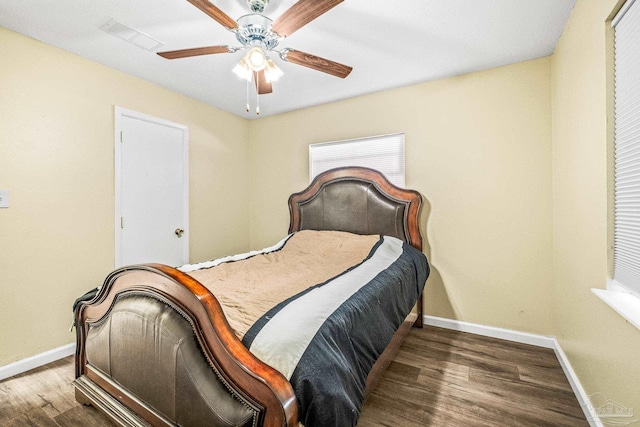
(119, 114)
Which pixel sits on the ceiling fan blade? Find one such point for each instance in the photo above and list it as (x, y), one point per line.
(196, 51)
(262, 85)
(300, 14)
(317, 63)
(215, 13)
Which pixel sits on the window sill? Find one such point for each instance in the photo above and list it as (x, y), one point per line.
(625, 303)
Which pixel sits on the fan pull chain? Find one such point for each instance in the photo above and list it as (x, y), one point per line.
(248, 107)
(257, 94)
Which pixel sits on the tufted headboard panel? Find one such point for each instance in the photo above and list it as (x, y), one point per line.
(357, 200)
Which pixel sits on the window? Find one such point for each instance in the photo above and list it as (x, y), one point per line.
(383, 153)
(626, 248)
(623, 291)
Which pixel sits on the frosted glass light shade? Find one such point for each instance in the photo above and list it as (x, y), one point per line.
(272, 72)
(256, 59)
(242, 70)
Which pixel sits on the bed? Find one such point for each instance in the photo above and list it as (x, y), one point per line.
(156, 347)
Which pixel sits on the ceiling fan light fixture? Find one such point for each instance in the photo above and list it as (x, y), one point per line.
(272, 73)
(242, 70)
(256, 59)
(259, 35)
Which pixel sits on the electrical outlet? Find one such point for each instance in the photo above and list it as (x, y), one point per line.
(4, 198)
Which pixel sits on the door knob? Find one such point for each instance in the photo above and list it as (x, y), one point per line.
(179, 232)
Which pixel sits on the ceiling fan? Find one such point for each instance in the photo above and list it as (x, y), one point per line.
(260, 35)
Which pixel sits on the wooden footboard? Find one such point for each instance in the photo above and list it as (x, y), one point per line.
(260, 388)
(262, 391)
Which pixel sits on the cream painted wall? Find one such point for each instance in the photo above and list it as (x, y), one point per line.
(478, 148)
(56, 159)
(603, 348)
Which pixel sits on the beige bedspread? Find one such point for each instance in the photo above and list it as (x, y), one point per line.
(249, 288)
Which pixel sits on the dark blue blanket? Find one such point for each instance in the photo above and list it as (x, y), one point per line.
(327, 338)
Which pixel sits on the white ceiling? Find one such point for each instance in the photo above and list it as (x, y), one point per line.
(389, 43)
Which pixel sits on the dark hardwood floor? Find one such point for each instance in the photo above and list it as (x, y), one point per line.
(447, 378)
(438, 378)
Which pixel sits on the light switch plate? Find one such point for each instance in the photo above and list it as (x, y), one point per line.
(4, 198)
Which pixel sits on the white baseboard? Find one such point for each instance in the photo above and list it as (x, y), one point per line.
(32, 362)
(525, 338)
(581, 395)
(491, 331)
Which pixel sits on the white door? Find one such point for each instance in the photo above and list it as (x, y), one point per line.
(151, 190)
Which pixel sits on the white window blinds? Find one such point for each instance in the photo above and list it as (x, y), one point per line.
(627, 147)
(383, 153)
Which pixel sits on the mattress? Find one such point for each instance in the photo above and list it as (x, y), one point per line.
(320, 307)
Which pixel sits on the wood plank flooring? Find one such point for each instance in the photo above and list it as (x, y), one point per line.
(447, 378)
(438, 378)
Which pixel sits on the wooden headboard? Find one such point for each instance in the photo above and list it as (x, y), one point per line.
(358, 200)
